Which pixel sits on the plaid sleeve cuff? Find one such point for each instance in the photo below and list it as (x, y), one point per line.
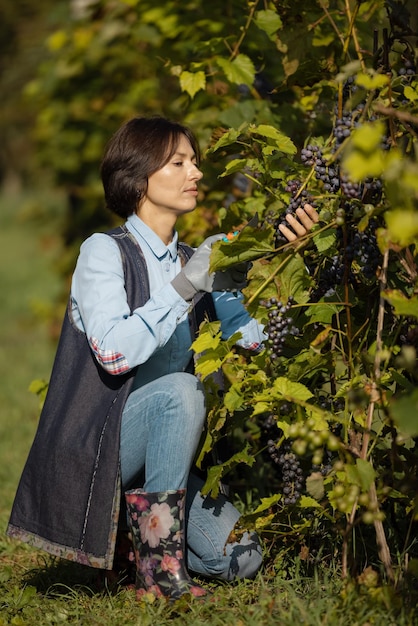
(113, 362)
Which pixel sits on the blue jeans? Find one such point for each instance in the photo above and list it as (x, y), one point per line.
(162, 423)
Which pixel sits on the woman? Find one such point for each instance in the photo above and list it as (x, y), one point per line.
(124, 412)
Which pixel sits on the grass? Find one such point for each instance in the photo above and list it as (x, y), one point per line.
(38, 589)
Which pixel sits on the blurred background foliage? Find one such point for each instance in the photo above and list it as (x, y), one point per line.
(72, 72)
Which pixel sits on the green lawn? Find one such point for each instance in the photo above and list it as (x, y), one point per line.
(36, 589)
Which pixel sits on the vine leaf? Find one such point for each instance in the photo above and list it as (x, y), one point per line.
(285, 389)
(306, 502)
(269, 22)
(401, 304)
(404, 411)
(192, 82)
(239, 71)
(217, 472)
(403, 226)
(315, 486)
(366, 474)
(248, 245)
(282, 142)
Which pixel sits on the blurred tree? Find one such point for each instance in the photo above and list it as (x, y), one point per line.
(24, 25)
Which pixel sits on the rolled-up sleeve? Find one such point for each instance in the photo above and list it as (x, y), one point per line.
(120, 338)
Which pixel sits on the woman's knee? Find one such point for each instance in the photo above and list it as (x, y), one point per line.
(186, 390)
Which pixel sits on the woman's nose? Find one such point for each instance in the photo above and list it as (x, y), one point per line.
(195, 173)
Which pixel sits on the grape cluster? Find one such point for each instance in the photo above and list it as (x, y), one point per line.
(342, 127)
(279, 326)
(357, 260)
(291, 471)
(328, 174)
(366, 251)
(330, 277)
(408, 68)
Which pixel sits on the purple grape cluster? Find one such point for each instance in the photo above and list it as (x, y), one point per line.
(328, 174)
(279, 326)
(291, 470)
(408, 69)
(366, 251)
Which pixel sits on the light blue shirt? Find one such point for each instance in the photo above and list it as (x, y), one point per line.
(156, 337)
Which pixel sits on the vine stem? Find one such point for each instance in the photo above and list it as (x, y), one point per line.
(250, 18)
(352, 32)
(381, 541)
(301, 244)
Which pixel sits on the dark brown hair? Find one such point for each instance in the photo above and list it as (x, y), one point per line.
(138, 149)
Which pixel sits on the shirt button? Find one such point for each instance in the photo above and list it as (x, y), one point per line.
(166, 267)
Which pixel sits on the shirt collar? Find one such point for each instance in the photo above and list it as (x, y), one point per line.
(146, 236)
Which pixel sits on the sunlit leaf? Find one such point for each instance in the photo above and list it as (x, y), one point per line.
(371, 82)
(283, 143)
(306, 502)
(402, 226)
(269, 21)
(209, 337)
(401, 304)
(240, 71)
(249, 244)
(192, 82)
(291, 391)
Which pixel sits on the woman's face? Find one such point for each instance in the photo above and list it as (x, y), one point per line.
(173, 188)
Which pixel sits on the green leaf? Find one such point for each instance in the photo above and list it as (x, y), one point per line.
(282, 389)
(401, 304)
(361, 165)
(410, 93)
(192, 82)
(404, 410)
(228, 138)
(236, 165)
(233, 399)
(366, 474)
(209, 337)
(306, 502)
(322, 313)
(324, 240)
(315, 485)
(403, 226)
(249, 244)
(239, 71)
(216, 472)
(377, 81)
(282, 141)
(294, 280)
(207, 364)
(269, 22)
(267, 503)
(306, 364)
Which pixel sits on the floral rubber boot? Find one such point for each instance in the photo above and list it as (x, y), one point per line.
(157, 526)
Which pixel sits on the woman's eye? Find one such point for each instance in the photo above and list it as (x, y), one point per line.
(178, 163)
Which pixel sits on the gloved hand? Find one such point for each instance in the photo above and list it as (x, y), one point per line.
(195, 274)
